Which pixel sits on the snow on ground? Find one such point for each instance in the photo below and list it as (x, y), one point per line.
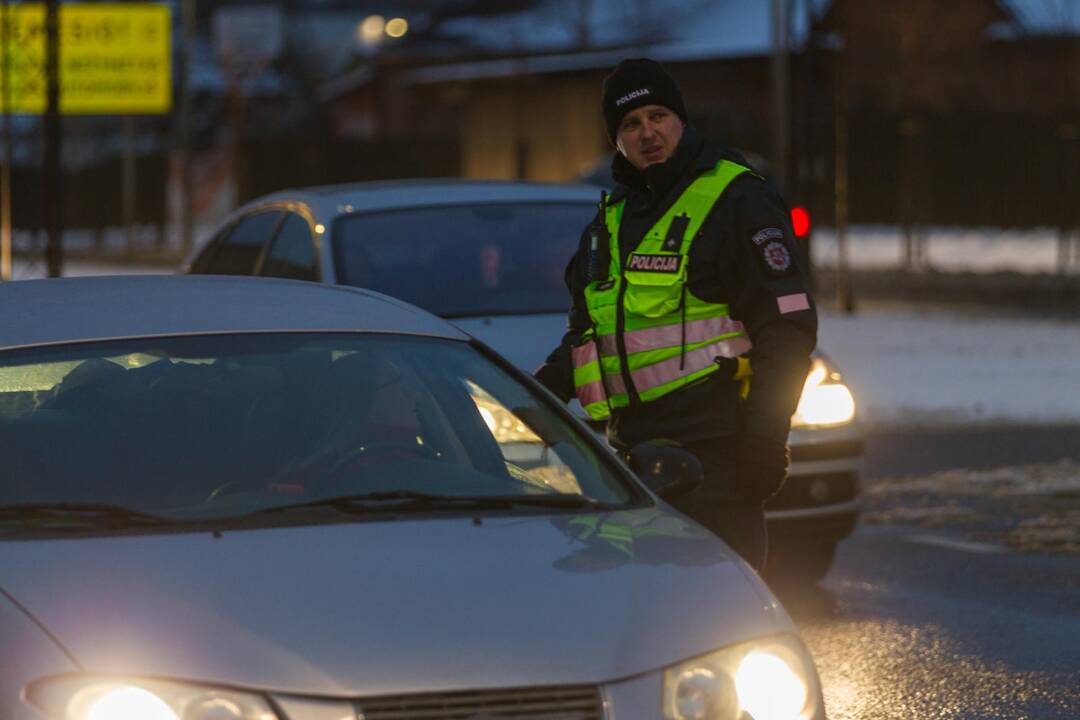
(80, 268)
(873, 247)
(941, 366)
(1032, 508)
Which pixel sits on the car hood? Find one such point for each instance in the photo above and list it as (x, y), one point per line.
(395, 606)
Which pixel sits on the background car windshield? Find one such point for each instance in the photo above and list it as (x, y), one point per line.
(216, 426)
(465, 260)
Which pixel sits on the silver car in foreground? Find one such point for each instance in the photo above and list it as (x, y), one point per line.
(251, 499)
(489, 257)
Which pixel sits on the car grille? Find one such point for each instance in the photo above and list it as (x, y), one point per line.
(808, 491)
(552, 703)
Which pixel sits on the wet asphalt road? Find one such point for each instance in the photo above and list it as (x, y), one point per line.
(902, 629)
(914, 622)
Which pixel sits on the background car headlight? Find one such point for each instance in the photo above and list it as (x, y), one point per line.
(770, 679)
(83, 698)
(825, 399)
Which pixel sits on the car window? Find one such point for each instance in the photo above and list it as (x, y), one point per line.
(224, 426)
(238, 251)
(292, 253)
(205, 259)
(465, 259)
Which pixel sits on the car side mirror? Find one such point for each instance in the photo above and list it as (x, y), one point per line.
(667, 471)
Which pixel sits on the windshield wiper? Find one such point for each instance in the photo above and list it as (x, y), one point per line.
(96, 515)
(413, 501)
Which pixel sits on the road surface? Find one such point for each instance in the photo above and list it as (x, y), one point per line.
(932, 610)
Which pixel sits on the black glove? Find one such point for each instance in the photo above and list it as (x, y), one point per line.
(760, 468)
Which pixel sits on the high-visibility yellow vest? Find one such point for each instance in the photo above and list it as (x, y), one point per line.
(650, 335)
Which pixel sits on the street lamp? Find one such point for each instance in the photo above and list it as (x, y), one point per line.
(397, 27)
(374, 29)
(370, 31)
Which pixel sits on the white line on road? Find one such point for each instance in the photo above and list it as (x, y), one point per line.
(961, 545)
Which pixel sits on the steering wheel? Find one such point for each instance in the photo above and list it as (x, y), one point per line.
(379, 451)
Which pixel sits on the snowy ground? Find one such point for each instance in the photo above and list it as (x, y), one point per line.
(955, 367)
(1031, 508)
(873, 247)
(870, 247)
(79, 268)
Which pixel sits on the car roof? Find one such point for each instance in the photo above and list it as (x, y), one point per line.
(330, 200)
(65, 310)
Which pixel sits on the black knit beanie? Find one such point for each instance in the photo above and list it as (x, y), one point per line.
(636, 83)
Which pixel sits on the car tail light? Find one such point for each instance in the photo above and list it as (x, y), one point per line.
(800, 221)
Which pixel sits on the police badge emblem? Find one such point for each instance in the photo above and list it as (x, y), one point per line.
(777, 258)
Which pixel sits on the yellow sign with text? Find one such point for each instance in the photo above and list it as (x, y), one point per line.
(115, 59)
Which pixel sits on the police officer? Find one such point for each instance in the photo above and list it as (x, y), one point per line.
(691, 319)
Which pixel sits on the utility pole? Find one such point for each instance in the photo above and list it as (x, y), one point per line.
(53, 204)
(1067, 136)
(187, 235)
(845, 299)
(5, 169)
(128, 183)
(781, 115)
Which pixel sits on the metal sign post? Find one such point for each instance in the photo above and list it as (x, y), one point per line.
(5, 167)
(129, 182)
(187, 232)
(52, 199)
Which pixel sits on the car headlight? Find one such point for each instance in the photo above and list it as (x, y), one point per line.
(770, 679)
(89, 698)
(825, 399)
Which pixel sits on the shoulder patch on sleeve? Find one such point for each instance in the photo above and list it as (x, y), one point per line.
(793, 303)
(776, 256)
(764, 235)
(772, 247)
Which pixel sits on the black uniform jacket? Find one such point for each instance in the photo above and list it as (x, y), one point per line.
(733, 260)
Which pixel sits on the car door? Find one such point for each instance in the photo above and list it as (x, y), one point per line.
(292, 253)
(240, 247)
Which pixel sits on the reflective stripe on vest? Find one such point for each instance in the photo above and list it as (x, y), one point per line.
(669, 335)
(588, 380)
(671, 338)
(658, 374)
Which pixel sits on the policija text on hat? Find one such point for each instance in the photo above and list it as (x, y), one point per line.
(691, 321)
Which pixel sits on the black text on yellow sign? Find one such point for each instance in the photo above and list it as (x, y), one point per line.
(115, 59)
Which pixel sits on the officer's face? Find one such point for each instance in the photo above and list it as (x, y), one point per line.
(649, 135)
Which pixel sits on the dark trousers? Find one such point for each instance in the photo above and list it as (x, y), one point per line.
(715, 504)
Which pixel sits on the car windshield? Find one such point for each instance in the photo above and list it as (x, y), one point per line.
(463, 260)
(192, 429)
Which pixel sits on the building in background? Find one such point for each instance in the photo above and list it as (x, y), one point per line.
(959, 113)
(964, 112)
(521, 98)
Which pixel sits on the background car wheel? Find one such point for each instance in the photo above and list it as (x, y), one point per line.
(799, 563)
